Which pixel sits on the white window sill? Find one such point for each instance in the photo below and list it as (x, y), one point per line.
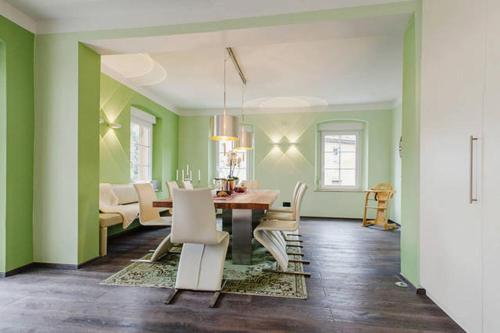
(339, 189)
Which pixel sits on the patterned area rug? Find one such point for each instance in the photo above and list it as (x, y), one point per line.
(240, 279)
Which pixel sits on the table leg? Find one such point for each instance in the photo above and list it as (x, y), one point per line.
(242, 236)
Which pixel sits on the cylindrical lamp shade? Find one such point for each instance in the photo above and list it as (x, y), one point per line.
(245, 139)
(224, 127)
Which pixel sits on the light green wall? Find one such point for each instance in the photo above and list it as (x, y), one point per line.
(279, 166)
(56, 193)
(396, 164)
(116, 101)
(195, 148)
(55, 218)
(410, 164)
(16, 145)
(89, 67)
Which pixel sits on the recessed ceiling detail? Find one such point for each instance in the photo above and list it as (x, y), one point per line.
(139, 69)
(286, 102)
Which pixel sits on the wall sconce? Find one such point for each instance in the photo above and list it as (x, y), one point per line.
(102, 121)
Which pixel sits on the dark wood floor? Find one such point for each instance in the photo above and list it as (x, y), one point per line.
(351, 290)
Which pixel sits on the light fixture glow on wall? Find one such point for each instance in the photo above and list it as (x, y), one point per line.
(103, 121)
(224, 127)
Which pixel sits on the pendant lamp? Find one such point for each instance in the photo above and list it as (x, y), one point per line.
(245, 135)
(224, 127)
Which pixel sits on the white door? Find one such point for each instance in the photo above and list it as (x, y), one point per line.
(491, 172)
(452, 87)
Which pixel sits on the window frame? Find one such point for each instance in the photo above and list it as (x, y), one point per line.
(248, 159)
(145, 120)
(358, 132)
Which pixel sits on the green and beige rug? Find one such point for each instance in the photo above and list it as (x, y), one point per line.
(240, 279)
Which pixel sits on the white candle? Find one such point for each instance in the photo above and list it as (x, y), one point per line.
(177, 174)
(183, 174)
(199, 175)
(187, 169)
(191, 175)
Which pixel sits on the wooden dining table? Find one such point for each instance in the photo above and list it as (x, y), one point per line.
(240, 210)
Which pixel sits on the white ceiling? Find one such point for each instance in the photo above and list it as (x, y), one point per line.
(85, 15)
(328, 63)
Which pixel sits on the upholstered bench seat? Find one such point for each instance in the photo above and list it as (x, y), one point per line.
(106, 220)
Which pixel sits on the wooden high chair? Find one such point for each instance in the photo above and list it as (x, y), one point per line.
(381, 194)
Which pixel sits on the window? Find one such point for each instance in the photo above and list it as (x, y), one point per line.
(141, 146)
(222, 151)
(340, 156)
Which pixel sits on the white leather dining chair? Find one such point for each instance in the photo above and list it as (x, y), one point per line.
(150, 216)
(188, 185)
(171, 185)
(204, 249)
(286, 213)
(270, 233)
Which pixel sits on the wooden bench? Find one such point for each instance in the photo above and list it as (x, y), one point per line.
(105, 221)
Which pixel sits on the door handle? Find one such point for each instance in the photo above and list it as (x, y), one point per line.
(472, 196)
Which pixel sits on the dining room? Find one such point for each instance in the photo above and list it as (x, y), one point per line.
(226, 174)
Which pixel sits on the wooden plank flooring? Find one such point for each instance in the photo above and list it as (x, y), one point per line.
(351, 291)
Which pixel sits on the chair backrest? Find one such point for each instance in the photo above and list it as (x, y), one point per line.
(187, 185)
(250, 184)
(146, 196)
(294, 193)
(171, 185)
(300, 195)
(194, 217)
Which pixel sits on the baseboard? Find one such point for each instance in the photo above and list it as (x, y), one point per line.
(418, 291)
(85, 263)
(16, 270)
(355, 219)
(67, 267)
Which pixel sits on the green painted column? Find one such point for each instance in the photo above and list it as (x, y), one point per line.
(16, 145)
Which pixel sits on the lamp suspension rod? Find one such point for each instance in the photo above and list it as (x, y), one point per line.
(236, 65)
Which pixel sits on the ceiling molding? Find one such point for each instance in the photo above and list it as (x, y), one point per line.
(18, 17)
(145, 92)
(379, 106)
(295, 12)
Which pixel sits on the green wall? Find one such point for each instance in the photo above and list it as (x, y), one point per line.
(56, 215)
(397, 114)
(279, 166)
(116, 101)
(89, 66)
(410, 163)
(16, 145)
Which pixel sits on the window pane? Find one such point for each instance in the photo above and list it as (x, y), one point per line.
(224, 149)
(348, 177)
(140, 152)
(339, 159)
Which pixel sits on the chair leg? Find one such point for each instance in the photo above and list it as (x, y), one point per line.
(294, 240)
(293, 245)
(171, 297)
(304, 262)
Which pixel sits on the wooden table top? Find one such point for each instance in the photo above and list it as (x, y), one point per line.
(252, 199)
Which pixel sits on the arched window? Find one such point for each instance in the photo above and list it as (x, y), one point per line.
(340, 154)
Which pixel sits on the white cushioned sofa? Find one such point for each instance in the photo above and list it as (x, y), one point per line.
(127, 196)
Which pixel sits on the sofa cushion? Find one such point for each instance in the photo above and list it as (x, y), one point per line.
(126, 193)
(109, 219)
